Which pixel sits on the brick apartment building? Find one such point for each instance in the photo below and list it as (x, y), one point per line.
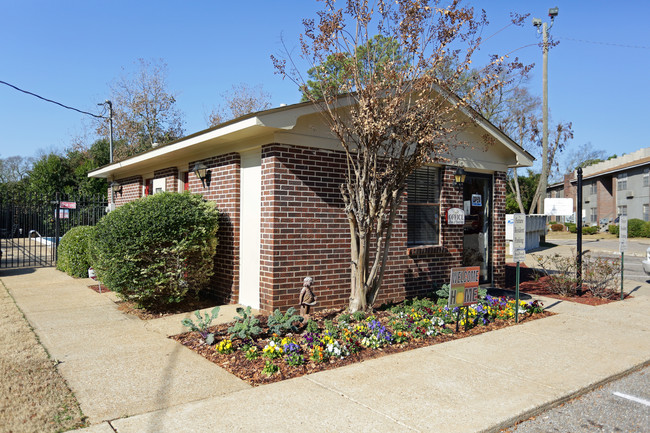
(275, 177)
(619, 186)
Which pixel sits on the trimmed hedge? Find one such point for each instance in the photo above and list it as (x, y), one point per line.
(74, 251)
(158, 249)
(591, 230)
(636, 228)
(557, 227)
(572, 227)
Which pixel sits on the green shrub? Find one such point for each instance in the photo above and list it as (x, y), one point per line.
(557, 227)
(157, 249)
(572, 227)
(613, 229)
(635, 228)
(74, 251)
(592, 230)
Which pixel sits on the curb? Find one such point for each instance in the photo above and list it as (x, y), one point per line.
(550, 405)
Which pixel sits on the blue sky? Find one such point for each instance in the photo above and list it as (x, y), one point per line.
(70, 51)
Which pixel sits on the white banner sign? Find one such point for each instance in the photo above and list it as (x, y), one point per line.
(558, 206)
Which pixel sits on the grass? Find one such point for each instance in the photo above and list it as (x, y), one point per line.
(568, 235)
(33, 395)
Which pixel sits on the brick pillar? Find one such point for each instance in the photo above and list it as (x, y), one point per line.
(499, 229)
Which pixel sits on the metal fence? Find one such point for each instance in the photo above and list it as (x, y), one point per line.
(32, 225)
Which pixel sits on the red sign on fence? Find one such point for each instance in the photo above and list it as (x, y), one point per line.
(68, 205)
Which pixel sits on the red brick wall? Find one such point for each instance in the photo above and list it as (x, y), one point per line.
(305, 233)
(224, 190)
(499, 229)
(131, 190)
(605, 198)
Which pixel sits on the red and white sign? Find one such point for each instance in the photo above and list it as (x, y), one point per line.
(68, 205)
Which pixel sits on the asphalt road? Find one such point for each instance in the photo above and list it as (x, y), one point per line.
(619, 406)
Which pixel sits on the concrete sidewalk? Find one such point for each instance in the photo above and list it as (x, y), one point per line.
(129, 377)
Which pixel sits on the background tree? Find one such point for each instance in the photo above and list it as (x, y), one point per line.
(240, 100)
(68, 172)
(582, 156)
(333, 77)
(401, 112)
(144, 111)
(14, 171)
(527, 185)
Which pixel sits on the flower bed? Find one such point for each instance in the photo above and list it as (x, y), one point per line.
(333, 339)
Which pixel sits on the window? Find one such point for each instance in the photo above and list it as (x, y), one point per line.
(646, 175)
(593, 188)
(621, 181)
(646, 212)
(423, 189)
(594, 215)
(622, 210)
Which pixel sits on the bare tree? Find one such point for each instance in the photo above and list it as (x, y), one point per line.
(144, 111)
(397, 114)
(240, 100)
(15, 168)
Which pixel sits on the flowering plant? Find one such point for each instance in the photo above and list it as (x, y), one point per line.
(272, 350)
(224, 346)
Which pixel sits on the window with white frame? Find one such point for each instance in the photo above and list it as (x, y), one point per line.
(593, 188)
(423, 189)
(621, 181)
(594, 215)
(646, 176)
(646, 212)
(622, 210)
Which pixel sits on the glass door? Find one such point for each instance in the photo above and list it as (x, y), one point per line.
(477, 238)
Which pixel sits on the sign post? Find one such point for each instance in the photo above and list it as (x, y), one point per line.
(518, 253)
(622, 246)
(463, 289)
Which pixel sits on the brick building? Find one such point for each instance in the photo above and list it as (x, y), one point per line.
(618, 186)
(275, 177)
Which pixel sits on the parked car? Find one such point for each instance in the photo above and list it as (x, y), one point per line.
(646, 262)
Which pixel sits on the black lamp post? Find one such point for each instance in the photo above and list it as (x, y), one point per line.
(459, 177)
(202, 172)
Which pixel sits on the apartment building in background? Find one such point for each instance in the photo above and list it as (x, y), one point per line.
(619, 186)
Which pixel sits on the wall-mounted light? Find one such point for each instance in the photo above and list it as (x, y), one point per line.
(202, 172)
(459, 177)
(116, 187)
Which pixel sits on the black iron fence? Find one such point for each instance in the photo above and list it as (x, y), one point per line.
(32, 225)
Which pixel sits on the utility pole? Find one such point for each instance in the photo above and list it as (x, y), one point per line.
(537, 22)
(110, 144)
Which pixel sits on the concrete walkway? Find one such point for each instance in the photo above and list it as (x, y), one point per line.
(129, 377)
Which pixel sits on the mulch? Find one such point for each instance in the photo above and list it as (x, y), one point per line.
(533, 282)
(251, 370)
(96, 288)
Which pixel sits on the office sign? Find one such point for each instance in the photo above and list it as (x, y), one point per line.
(455, 216)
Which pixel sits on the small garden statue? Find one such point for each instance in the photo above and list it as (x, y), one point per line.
(307, 298)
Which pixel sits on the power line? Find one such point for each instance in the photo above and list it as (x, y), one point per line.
(640, 47)
(54, 102)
